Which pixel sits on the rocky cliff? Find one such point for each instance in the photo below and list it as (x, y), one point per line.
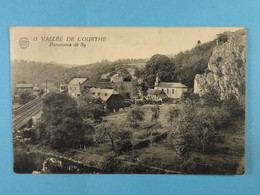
(226, 71)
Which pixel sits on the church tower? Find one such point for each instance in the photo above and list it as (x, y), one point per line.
(156, 81)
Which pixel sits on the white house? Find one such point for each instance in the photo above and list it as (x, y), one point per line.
(171, 89)
(156, 95)
(76, 86)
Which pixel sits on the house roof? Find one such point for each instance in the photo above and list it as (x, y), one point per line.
(105, 76)
(154, 91)
(104, 85)
(103, 94)
(171, 85)
(36, 88)
(77, 80)
(24, 85)
(157, 92)
(117, 75)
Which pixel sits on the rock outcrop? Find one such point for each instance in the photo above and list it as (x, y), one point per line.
(52, 165)
(226, 71)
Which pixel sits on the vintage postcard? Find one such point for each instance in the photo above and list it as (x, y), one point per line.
(153, 100)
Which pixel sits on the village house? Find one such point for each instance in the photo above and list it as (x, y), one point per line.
(116, 78)
(76, 86)
(105, 77)
(22, 87)
(156, 95)
(171, 89)
(112, 99)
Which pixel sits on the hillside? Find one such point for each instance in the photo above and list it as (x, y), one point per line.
(226, 68)
(95, 70)
(195, 61)
(34, 72)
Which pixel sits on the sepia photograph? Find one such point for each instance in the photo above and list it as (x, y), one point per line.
(128, 100)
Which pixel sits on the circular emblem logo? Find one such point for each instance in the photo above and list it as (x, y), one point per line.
(24, 42)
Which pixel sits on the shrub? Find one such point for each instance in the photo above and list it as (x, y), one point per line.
(135, 115)
(222, 38)
(25, 97)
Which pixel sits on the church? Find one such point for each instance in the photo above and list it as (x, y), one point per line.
(173, 90)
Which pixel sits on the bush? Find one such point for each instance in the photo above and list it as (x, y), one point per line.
(222, 38)
(135, 115)
(25, 97)
(233, 106)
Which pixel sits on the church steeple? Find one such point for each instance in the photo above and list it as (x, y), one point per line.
(156, 81)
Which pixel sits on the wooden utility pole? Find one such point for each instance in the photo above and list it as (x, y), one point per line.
(46, 87)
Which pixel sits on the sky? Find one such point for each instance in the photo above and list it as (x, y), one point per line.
(120, 42)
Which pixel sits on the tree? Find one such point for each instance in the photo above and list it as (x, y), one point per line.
(155, 113)
(192, 62)
(211, 97)
(135, 115)
(233, 106)
(91, 108)
(112, 131)
(61, 125)
(196, 127)
(171, 114)
(25, 97)
(161, 66)
(93, 111)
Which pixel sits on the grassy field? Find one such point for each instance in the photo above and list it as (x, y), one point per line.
(121, 116)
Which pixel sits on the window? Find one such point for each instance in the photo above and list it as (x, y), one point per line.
(172, 91)
(98, 93)
(167, 91)
(105, 94)
(93, 93)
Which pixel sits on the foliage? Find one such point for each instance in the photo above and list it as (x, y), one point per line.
(190, 95)
(211, 97)
(36, 72)
(112, 131)
(161, 66)
(222, 38)
(155, 113)
(61, 125)
(196, 125)
(140, 88)
(181, 68)
(91, 108)
(233, 106)
(97, 69)
(25, 97)
(125, 74)
(171, 114)
(135, 115)
(192, 62)
(93, 111)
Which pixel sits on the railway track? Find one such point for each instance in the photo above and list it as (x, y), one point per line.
(25, 107)
(22, 116)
